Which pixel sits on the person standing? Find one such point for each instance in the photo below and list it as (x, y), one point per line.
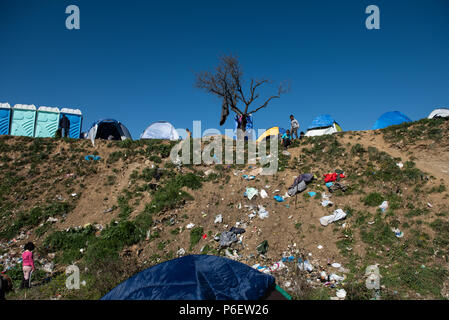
(286, 139)
(27, 265)
(64, 124)
(294, 126)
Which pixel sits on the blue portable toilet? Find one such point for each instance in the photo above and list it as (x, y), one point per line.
(76, 121)
(389, 119)
(47, 122)
(5, 118)
(23, 120)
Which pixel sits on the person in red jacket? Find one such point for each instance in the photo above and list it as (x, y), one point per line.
(27, 265)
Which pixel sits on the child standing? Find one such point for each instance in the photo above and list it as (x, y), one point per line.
(27, 265)
(294, 126)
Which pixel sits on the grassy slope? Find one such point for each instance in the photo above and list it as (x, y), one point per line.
(122, 196)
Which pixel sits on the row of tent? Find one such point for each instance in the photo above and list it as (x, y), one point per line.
(26, 120)
(325, 124)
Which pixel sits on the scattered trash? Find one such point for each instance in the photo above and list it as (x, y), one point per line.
(429, 205)
(278, 198)
(336, 278)
(51, 219)
(250, 193)
(384, 206)
(263, 213)
(263, 194)
(337, 215)
(312, 193)
(400, 165)
(208, 172)
(218, 219)
(373, 277)
(398, 233)
(336, 265)
(108, 210)
(228, 237)
(326, 203)
(341, 293)
(262, 248)
(190, 226)
(331, 177)
(246, 177)
(320, 247)
(337, 186)
(305, 266)
(92, 157)
(256, 172)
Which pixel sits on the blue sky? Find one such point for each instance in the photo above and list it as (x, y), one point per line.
(135, 60)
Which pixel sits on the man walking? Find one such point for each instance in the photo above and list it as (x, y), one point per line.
(294, 127)
(64, 124)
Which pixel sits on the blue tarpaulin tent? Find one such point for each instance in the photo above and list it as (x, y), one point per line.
(389, 119)
(195, 277)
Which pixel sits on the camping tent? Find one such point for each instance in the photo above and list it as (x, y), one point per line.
(195, 277)
(160, 130)
(23, 120)
(108, 129)
(47, 122)
(389, 119)
(76, 120)
(275, 131)
(439, 113)
(323, 124)
(5, 118)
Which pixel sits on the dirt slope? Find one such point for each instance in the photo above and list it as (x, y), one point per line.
(153, 202)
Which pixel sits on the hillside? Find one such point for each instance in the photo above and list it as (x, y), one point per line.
(129, 210)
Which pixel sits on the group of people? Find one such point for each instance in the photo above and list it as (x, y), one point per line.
(287, 137)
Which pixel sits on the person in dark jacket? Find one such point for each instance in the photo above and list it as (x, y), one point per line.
(5, 285)
(64, 124)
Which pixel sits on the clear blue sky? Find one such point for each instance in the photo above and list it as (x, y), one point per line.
(135, 60)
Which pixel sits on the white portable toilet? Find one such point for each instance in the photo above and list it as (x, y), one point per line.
(47, 122)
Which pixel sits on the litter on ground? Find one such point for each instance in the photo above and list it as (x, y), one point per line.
(337, 215)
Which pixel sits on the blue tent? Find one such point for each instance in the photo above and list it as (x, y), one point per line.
(195, 277)
(322, 121)
(389, 119)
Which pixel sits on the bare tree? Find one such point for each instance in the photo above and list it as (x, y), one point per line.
(226, 83)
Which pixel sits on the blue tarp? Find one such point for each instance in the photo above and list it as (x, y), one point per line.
(389, 119)
(322, 121)
(195, 277)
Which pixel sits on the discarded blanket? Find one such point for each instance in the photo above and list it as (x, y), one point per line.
(331, 177)
(229, 237)
(299, 185)
(337, 215)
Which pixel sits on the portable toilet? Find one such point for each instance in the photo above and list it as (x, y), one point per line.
(76, 120)
(47, 122)
(5, 118)
(23, 120)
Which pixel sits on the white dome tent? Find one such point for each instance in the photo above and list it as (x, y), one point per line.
(160, 130)
(439, 113)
